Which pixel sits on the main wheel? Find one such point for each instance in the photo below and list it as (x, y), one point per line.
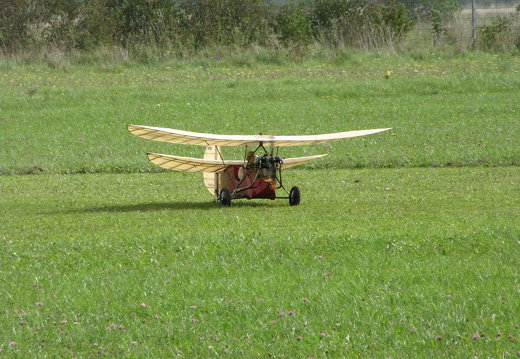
(225, 197)
(294, 196)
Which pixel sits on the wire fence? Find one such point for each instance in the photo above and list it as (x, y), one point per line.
(466, 25)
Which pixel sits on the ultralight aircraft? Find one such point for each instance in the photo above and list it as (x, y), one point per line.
(257, 175)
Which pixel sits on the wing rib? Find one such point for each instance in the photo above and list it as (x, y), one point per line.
(289, 162)
(190, 164)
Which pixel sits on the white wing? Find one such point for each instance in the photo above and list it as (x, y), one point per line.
(190, 164)
(206, 139)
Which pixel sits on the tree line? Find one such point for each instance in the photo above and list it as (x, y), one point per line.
(196, 24)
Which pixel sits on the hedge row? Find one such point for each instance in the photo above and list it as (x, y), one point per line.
(195, 24)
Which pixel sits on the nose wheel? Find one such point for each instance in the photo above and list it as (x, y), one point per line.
(294, 196)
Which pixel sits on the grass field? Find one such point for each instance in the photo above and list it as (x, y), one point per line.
(406, 244)
(444, 112)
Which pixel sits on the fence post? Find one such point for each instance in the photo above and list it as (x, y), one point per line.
(474, 22)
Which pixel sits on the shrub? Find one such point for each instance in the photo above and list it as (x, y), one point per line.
(364, 24)
(145, 21)
(293, 24)
(225, 22)
(500, 34)
(13, 20)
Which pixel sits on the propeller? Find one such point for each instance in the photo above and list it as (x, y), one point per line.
(276, 162)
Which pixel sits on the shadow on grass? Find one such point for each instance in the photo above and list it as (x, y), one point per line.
(148, 207)
(174, 206)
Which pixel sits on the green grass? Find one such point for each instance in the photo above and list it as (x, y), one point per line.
(444, 112)
(406, 244)
(388, 259)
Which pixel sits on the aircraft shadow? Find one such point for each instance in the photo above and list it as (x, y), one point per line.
(148, 207)
(173, 206)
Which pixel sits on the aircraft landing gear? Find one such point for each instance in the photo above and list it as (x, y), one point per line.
(294, 196)
(225, 197)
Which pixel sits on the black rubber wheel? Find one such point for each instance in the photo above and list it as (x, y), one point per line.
(294, 196)
(225, 197)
